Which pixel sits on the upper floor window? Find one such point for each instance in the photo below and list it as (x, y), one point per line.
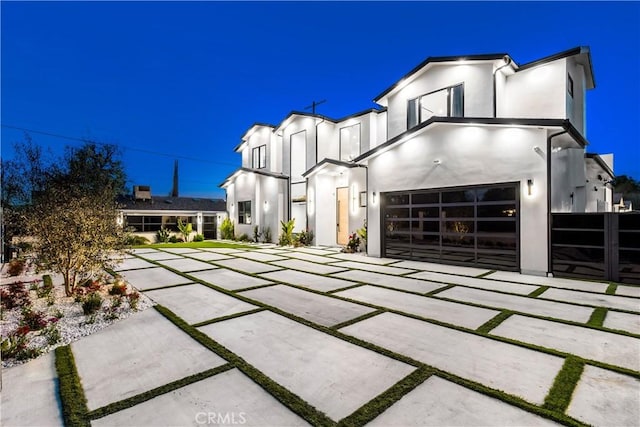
(570, 85)
(244, 212)
(447, 102)
(259, 157)
(349, 142)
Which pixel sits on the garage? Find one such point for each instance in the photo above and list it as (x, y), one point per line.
(472, 226)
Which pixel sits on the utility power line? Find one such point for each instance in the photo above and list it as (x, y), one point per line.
(124, 147)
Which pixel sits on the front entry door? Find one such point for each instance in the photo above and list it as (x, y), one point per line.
(342, 215)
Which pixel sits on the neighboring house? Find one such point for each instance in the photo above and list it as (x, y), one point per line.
(621, 205)
(463, 164)
(145, 214)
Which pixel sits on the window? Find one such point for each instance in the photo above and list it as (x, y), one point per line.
(570, 85)
(244, 212)
(259, 157)
(298, 155)
(447, 102)
(349, 142)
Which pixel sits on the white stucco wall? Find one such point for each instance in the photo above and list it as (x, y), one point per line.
(478, 91)
(470, 155)
(568, 177)
(576, 111)
(538, 92)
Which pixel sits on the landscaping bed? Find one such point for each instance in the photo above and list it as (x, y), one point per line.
(36, 316)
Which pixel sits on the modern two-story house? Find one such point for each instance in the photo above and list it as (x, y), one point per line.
(463, 163)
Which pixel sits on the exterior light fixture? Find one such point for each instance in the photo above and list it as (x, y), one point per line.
(437, 162)
(373, 200)
(199, 218)
(266, 206)
(120, 219)
(529, 186)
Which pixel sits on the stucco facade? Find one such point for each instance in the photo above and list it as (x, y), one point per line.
(471, 123)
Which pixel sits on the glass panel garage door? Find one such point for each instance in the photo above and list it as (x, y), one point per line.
(474, 226)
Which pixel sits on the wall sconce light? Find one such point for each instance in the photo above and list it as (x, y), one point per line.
(595, 188)
(199, 218)
(266, 206)
(373, 199)
(437, 162)
(529, 186)
(120, 220)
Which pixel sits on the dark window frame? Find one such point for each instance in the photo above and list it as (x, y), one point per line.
(258, 161)
(244, 212)
(449, 90)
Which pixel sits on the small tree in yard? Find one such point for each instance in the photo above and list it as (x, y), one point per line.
(185, 229)
(75, 235)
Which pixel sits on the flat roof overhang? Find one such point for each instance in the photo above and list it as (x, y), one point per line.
(228, 180)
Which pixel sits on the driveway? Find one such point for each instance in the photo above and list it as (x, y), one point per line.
(276, 336)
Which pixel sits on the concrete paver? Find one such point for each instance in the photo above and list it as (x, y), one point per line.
(272, 251)
(197, 303)
(607, 347)
(187, 265)
(319, 309)
(630, 291)
(438, 402)
(150, 278)
(333, 375)
(313, 251)
(229, 398)
(359, 257)
(159, 255)
(257, 256)
(29, 394)
(402, 283)
(208, 256)
(444, 311)
(557, 310)
(228, 279)
(441, 268)
(247, 265)
(606, 398)
(493, 363)
(133, 263)
(310, 257)
(598, 300)
(182, 250)
(307, 280)
(309, 267)
(224, 250)
(123, 360)
(141, 250)
(473, 282)
(372, 267)
(556, 282)
(622, 321)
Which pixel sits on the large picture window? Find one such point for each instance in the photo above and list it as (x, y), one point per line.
(259, 157)
(244, 212)
(349, 142)
(447, 102)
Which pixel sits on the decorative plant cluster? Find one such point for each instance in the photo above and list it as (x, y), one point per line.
(33, 313)
(353, 244)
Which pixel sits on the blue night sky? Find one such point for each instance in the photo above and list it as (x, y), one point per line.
(184, 81)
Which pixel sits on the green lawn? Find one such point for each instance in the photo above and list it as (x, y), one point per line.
(195, 245)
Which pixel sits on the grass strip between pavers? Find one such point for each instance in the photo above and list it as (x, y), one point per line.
(437, 291)
(485, 328)
(559, 396)
(148, 395)
(228, 317)
(357, 319)
(74, 402)
(597, 317)
(538, 291)
(193, 245)
(383, 401)
(292, 401)
(611, 289)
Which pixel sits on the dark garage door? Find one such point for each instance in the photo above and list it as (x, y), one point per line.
(473, 226)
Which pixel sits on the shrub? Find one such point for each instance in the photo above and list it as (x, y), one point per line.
(134, 298)
(243, 238)
(256, 234)
(33, 319)
(304, 238)
(362, 234)
(266, 235)
(47, 287)
(135, 240)
(198, 238)
(52, 334)
(14, 295)
(118, 288)
(286, 237)
(227, 229)
(92, 303)
(175, 239)
(352, 244)
(15, 343)
(163, 235)
(16, 267)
